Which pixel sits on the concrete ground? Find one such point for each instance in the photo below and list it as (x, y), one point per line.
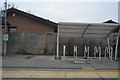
(66, 79)
(44, 67)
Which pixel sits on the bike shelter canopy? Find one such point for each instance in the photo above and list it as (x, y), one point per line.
(86, 30)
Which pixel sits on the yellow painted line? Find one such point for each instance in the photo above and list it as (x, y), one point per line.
(69, 72)
(25, 70)
(43, 69)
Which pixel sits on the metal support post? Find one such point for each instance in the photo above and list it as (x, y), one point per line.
(109, 49)
(58, 43)
(116, 47)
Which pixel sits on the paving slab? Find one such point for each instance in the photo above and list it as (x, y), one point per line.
(50, 62)
(40, 63)
(85, 75)
(108, 75)
(88, 68)
(45, 75)
(15, 75)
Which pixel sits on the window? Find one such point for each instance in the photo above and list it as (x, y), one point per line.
(14, 14)
(12, 29)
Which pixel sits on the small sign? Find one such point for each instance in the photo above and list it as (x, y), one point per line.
(5, 36)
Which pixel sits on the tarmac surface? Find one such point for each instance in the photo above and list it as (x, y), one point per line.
(33, 67)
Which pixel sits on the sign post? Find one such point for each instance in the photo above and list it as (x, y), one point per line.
(5, 34)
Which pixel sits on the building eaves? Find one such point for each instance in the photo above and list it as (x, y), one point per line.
(45, 21)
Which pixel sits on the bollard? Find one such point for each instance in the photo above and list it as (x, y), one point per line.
(64, 51)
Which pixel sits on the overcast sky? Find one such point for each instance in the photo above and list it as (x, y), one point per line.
(89, 11)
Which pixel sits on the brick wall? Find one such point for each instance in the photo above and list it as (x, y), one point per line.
(27, 24)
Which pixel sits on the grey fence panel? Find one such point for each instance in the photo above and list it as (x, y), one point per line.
(30, 43)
